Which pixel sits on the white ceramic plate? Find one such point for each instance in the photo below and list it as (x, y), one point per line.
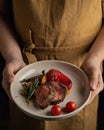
(79, 93)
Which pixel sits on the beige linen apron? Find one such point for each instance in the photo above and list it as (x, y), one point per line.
(60, 30)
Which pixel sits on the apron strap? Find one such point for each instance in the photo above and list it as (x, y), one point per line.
(27, 52)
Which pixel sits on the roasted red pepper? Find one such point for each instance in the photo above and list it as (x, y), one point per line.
(56, 75)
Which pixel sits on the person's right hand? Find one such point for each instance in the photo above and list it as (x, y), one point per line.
(9, 71)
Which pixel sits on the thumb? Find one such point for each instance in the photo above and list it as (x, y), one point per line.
(10, 78)
(93, 80)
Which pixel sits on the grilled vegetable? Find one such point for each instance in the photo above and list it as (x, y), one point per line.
(29, 91)
(56, 75)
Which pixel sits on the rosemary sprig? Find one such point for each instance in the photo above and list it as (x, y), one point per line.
(30, 91)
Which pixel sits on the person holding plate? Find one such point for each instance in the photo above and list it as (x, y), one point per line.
(67, 30)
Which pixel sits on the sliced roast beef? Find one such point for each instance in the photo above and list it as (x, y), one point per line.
(59, 90)
(52, 92)
(44, 95)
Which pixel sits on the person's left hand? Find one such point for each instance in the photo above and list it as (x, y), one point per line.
(91, 66)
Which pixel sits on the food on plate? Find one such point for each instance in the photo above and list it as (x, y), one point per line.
(71, 106)
(56, 75)
(52, 92)
(47, 88)
(56, 110)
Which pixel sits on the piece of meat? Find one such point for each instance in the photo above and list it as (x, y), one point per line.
(60, 92)
(44, 95)
(52, 92)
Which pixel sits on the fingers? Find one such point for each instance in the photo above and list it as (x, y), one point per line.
(6, 87)
(8, 77)
(96, 84)
(9, 72)
(92, 68)
(99, 87)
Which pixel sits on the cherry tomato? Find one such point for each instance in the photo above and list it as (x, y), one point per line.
(71, 106)
(56, 110)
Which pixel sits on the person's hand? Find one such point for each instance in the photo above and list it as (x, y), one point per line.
(9, 71)
(92, 68)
